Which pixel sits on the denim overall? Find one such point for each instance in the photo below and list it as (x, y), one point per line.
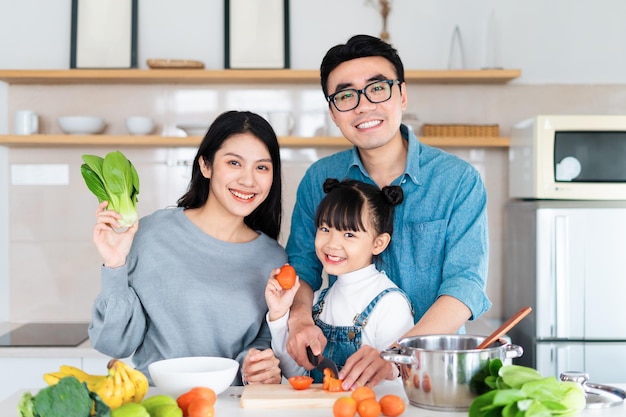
(343, 341)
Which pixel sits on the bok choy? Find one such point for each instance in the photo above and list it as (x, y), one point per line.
(113, 179)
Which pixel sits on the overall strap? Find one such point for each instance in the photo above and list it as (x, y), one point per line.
(361, 319)
(319, 306)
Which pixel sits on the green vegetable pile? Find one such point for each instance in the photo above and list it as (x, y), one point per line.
(113, 179)
(519, 391)
(67, 398)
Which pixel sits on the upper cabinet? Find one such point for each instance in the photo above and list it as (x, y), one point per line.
(196, 76)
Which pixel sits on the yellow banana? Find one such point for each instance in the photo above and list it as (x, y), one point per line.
(138, 379)
(127, 383)
(82, 376)
(106, 390)
(52, 378)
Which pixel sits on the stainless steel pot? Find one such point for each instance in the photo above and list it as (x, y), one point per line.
(437, 370)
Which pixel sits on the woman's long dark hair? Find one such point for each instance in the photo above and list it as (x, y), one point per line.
(265, 218)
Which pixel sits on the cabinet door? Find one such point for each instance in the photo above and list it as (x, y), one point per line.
(600, 360)
(27, 373)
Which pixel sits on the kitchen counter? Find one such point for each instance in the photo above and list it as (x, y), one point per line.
(228, 405)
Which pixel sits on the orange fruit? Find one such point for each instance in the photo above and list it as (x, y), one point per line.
(300, 382)
(362, 393)
(184, 400)
(201, 407)
(286, 277)
(369, 407)
(391, 405)
(344, 407)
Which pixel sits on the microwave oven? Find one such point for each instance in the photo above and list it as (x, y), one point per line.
(568, 157)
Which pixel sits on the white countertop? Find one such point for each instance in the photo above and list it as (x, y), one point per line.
(228, 406)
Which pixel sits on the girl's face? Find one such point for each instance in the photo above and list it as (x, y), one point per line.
(241, 175)
(343, 251)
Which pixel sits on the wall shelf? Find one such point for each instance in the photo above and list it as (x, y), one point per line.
(194, 141)
(196, 76)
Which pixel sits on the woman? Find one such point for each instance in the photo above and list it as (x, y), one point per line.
(189, 280)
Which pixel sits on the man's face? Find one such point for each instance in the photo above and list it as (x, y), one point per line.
(369, 125)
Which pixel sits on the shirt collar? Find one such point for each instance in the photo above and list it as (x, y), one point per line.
(411, 169)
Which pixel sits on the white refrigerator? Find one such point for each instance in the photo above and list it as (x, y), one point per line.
(567, 260)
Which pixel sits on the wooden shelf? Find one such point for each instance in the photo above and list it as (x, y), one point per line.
(193, 141)
(196, 76)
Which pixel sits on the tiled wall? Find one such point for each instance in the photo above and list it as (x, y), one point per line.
(54, 268)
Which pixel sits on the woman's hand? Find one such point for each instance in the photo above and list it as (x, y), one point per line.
(260, 367)
(278, 299)
(366, 367)
(112, 246)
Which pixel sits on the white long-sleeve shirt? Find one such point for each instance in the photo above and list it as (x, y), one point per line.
(348, 296)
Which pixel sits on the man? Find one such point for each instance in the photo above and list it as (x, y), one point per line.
(439, 251)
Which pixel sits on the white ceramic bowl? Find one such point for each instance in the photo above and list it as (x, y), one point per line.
(81, 125)
(139, 125)
(177, 376)
(193, 129)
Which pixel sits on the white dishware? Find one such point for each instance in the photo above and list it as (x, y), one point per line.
(282, 122)
(81, 125)
(26, 122)
(193, 129)
(139, 125)
(177, 376)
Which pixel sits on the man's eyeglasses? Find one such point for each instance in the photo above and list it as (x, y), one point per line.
(349, 99)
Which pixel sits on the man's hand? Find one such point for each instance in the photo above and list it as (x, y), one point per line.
(302, 330)
(366, 367)
(261, 367)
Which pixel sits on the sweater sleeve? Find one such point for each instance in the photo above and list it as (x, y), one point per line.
(391, 318)
(280, 331)
(118, 321)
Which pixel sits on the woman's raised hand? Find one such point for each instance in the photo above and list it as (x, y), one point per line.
(112, 246)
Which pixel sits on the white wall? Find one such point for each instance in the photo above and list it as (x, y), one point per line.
(552, 41)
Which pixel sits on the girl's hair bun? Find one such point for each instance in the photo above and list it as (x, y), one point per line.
(329, 184)
(393, 194)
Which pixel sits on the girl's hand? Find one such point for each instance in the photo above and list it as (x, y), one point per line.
(112, 246)
(260, 367)
(279, 300)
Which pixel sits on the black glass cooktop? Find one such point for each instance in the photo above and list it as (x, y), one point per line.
(46, 334)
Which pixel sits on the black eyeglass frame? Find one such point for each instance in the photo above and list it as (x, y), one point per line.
(362, 91)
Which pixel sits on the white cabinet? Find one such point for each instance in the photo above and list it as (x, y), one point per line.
(20, 373)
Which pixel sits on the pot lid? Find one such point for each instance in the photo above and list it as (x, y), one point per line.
(597, 395)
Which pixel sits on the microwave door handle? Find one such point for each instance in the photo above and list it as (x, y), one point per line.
(561, 274)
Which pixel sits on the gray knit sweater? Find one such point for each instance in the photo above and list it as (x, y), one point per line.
(184, 293)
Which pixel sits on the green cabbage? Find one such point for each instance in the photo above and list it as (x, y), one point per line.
(520, 391)
(113, 179)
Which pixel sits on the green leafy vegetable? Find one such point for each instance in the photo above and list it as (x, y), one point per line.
(67, 398)
(113, 179)
(519, 391)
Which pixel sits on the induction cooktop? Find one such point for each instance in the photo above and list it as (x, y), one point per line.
(46, 335)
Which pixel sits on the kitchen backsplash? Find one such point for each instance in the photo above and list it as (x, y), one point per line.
(54, 269)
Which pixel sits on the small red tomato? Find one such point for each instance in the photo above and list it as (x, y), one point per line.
(300, 382)
(201, 408)
(286, 277)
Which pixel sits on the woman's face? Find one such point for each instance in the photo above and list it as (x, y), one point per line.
(343, 251)
(241, 175)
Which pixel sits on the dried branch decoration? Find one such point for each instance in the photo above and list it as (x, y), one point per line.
(384, 10)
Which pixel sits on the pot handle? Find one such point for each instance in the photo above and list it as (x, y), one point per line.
(394, 354)
(513, 351)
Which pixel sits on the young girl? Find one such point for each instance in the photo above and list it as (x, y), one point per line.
(169, 283)
(362, 307)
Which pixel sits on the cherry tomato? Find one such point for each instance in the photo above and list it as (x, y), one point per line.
(391, 405)
(300, 382)
(201, 407)
(344, 407)
(286, 277)
(331, 384)
(184, 400)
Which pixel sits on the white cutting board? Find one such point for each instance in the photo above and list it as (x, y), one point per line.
(285, 396)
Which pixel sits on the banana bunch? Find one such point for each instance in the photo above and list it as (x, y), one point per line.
(121, 385)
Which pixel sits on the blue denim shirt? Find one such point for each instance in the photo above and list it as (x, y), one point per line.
(439, 244)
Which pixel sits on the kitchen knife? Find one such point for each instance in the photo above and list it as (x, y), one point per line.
(321, 363)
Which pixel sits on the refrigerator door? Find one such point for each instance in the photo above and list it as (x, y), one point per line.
(580, 273)
(602, 361)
